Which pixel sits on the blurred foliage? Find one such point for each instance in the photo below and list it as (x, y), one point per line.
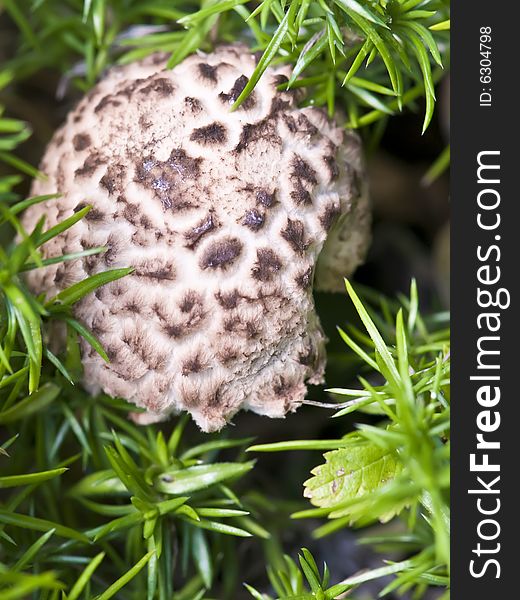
(94, 506)
(289, 582)
(367, 57)
(399, 466)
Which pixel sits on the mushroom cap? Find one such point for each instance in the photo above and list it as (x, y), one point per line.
(222, 214)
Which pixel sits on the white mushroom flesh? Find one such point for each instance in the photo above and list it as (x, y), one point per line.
(223, 215)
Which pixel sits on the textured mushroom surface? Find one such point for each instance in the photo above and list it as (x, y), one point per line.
(222, 214)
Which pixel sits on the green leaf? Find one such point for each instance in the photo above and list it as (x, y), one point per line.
(111, 591)
(336, 590)
(79, 290)
(23, 585)
(62, 226)
(26, 522)
(100, 483)
(191, 41)
(85, 577)
(29, 323)
(87, 4)
(168, 506)
(18, 163)
(32, 404)
(58, 364)
(88, 336)
(7, 444)
(10, 379)
(202, 556)
(310, 570)
(219, 444)
(128, 473)
(220, 513)
(199, 477)
(117, 525)
(362, 11)
(29, 479)
(109, 510)
(153, 568)
(32, 551)
(424, 63)
(64, 258)
(98, 19)
(217, 8)
(14, 10)
(350, 473)
(376, 39)
(300, 445)
(221, 528)
(189, 512)
(268, 55)
(253, 527)
(376, 337)
(176, 435)
(428, 39)
(372, 86)
(6, 537)
(254, 593)
(378, 573)
(369, 99)
(309, 53)
(441, 26)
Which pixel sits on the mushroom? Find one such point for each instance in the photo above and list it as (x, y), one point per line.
(229, 218)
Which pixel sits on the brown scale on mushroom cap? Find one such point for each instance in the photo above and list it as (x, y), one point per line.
(223, 215)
